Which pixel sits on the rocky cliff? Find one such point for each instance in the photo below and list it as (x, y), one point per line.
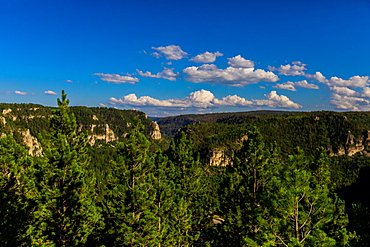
(355, 145)
(103, 125)
(156, 132)
(219, 158)
(107, 136)
(31, 142)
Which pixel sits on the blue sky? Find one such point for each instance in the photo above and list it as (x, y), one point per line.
(179, 57)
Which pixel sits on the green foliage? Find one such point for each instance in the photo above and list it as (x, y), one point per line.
(192, 181)
(64, 192)
(272, 201)
(35, 118)
(165, 200)
(143, 192)
(129, 204)
(305, 211)
(15, 207)
(120, 121)
(246, 191)
(308, 130)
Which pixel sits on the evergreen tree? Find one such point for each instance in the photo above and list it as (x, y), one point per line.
(271, 201)
(65, 194)
(15, 207)
(304, 211)
(168, 211)
(130, 209)
(246, 192)
(193, 199)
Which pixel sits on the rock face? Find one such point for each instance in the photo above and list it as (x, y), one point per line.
(32, 143)
(353, 146)
(108, 135)
(218, 158)
(156, 133)
(6, 111)
(3, 120)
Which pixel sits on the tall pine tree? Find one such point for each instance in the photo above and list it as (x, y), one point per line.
(167, 208)
(130, 209)
(304, 212)
(192, 190)
(246, 191)
(65, 194)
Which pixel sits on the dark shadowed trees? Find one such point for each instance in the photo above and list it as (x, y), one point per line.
(272, 201)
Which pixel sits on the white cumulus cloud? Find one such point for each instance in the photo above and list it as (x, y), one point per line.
(343, 94)
(318, 76)
(117, 79)
(49, 92)
(343, 91)
(165, 74)
(277, 101)
(287, 86)
(292, 85)
(20, 93)
(199, 99)
(240, 62)
(290, 70)
(209, 73)
(171, 52)
(203, 99)
(305, 84)
(366, 92)
(233, 100)
(201, 96)
(350, 103)
(207, 57)
(352, 82)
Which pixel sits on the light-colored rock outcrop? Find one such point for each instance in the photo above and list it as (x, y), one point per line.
(32, 143)
(353, 146)
(108, 136)
(156, 133)
(244, 138)
(6, 111)
(3, 120)
(218, 158)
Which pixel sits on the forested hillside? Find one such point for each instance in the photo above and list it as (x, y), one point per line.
(97, 177)
(338, 132)
(103, 125)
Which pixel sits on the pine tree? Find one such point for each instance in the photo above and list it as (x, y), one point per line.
(167, 208)
(130, 209)
(305, 212)
(246, 191)
(15, 207)
(192, 185)
(273, 201)
(66, 213)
